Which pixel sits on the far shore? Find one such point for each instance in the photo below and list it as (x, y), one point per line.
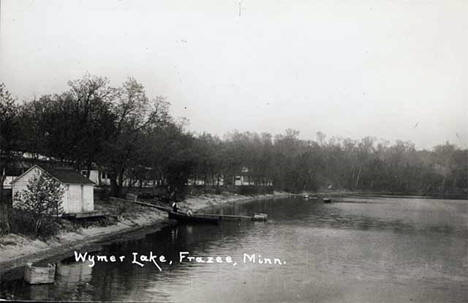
(385, 194)
(18, 250)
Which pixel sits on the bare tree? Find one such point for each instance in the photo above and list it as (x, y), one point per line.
(135, 117)
(8, 141)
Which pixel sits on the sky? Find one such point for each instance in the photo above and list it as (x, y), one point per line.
(387, 69)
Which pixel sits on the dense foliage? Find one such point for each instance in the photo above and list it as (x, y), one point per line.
(364, 165)
(41, 200)
(122, 131)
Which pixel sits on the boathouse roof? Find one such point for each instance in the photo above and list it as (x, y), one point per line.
(63, 174)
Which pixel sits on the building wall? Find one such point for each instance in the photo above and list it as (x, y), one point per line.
(243, 180)
(22, 183)
(247, 180)
(94, 176)
(7, 182)
(209, 181)
(76, 198)
(75, 201)
(88, 195)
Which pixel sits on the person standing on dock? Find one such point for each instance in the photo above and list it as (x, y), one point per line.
(175, 207)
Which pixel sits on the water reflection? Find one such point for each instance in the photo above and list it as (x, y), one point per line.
(382, 250)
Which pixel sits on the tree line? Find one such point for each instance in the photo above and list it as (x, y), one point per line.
(131, 136)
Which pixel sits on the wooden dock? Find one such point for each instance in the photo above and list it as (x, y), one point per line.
(163, 208)
(85, 215)
(255, 217)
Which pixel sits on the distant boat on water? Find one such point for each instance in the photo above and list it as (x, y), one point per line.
(260, 217)
(309, 197)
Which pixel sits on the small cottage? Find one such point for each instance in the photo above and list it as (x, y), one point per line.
(78, 196)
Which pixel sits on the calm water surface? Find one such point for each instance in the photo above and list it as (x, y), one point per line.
(362, 250)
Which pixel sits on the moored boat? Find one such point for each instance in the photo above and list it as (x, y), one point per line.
(183, 217)
(260, 217)
(326, 200)
(309, 197)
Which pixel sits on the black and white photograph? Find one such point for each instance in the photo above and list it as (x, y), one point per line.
(234, 151)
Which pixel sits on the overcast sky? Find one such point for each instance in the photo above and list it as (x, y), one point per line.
(390, 69)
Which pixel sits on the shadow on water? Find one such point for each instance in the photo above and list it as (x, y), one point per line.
(396, 223)
(104, 281)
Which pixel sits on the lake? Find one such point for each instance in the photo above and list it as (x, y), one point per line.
(359, 250)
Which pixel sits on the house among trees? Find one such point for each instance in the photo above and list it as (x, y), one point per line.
(247, 178)
(218, 180)
(98, 177)
(78, 194)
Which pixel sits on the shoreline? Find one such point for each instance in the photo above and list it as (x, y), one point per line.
(17, 254)
(385, 194)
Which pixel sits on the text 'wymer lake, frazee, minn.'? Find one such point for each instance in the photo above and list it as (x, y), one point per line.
(142, 260)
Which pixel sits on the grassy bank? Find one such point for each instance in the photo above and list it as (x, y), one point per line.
(17, 250)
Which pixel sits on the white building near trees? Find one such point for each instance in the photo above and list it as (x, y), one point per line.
(78, 194)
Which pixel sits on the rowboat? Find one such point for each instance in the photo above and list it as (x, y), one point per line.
(185, 218)
(260, 217)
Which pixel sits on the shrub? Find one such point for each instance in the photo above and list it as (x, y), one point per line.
(41, 201)
(22, 222)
